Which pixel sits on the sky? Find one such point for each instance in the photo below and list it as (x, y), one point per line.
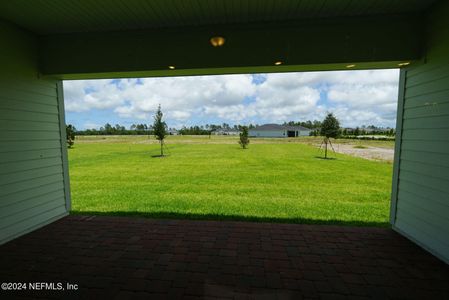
(355, 97)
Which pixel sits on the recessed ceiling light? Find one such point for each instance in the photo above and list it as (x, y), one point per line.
(171, 67)
(404, 64)
(217, 41)
(350, 66)
(278, 63)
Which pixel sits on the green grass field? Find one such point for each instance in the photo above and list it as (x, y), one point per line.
(201, 178)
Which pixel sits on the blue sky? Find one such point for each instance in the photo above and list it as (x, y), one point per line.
(356, 97)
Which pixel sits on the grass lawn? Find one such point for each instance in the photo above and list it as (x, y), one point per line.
(273, 180)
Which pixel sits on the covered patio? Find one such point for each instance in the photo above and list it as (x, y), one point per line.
(45, 42)
(121, 257)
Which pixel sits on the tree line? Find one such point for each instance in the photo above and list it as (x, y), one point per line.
(151, 129)
(308, 124)
(108, 129)
(144, 129)
(368, 130)
(209, 128)
(360, 131)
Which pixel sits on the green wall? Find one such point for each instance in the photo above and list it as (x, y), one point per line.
(32, 186)
(422, 194)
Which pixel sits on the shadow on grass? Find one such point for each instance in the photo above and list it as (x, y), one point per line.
(159, 156)
(218, 217)
(329, 158)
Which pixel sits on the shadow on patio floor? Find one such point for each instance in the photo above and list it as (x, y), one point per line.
(220, 217)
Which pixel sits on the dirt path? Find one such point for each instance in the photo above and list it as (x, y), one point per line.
(368, 152)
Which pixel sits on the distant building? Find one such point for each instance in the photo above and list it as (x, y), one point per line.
(222, 131)
(275, 130)
(173, 132)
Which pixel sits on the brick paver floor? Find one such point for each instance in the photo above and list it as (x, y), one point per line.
(120, 258)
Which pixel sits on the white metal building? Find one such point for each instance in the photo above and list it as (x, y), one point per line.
(279, 131)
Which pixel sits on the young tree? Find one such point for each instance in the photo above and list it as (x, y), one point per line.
(70, 135)
(329, 129)
(244, 140)
(159, 128)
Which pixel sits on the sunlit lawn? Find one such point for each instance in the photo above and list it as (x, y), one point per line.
(213, 178)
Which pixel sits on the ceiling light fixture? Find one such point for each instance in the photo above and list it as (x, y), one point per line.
(350, 66)
(171, 67)
(217, 41)
(404, 64)
(278, 63)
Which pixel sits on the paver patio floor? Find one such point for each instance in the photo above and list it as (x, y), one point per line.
(121, 257)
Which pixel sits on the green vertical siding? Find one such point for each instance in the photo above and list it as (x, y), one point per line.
(32, 191)
(422, 206)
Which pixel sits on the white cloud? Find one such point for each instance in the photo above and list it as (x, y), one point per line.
(365, 97)
(235, 113)
(74, 95)
(179, 115)
(282, 97)
(91, 125)
(363, 94)
(357, 97)
(83, 95)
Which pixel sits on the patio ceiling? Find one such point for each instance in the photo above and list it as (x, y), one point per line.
(136, 38)
(46, 17)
